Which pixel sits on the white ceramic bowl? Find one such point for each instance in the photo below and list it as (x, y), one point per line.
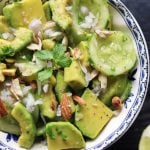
(122, 20)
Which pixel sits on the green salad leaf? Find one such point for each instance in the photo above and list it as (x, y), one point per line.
(45, 74)
(57, 55)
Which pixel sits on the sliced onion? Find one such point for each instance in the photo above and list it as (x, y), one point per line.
(35, 25)
(103, 80)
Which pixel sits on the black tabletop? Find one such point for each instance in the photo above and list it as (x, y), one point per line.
(141, 11)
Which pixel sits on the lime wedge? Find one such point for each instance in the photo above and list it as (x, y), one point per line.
(145, 139)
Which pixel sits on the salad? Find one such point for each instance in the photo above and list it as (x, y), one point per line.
(64, 71)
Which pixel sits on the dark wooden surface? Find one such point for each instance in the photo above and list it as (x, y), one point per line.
(141, 11)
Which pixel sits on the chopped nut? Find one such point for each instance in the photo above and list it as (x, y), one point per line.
(79, 100)
(3, 111)
(2, 66)
(76, 53)
(16, 89)
(9, 72)
(117, 102)
(2, 77)
(65, 107)
(10, 60)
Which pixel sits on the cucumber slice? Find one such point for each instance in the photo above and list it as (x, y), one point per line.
(114, 55)
(99, 8)
(117, 86)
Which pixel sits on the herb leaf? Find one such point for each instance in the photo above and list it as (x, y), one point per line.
(44, 55)
(64, 61)
(45, 74)
(59, 56)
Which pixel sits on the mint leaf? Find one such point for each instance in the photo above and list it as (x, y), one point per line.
(64, 61)
(45, 74)
(44, 55)
(58, 51)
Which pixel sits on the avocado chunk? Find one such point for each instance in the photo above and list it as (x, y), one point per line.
(60, 14)
(113, 55)
(27, 125)
(84, 58)
(3, 25)
(61, 86)
(92, 117)
(20, 14)
(49, 106)
(9, 48)
(48, 44)
(63, 135)
(74, 76)
(47, 11)
(117, 86)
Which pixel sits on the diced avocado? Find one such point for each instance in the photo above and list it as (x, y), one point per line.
(52, 80)
(94, 109)
(9, 48)
(48, 108)
(20, 14)
(48, 44)
(23, 38)
(47, 11)
(61, 86)
(63, 135)
(74, 76)
(27, 125)
(3, 25)
(113, 55)
(84, 58)
(9, 125)
(60, 14)
(117, 86)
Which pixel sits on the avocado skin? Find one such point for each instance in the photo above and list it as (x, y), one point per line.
(92, 117)
(60, 14)
(27, 125)
(63, 135)
(47, 11)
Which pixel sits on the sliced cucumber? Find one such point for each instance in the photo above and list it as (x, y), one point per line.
(114, 55)
(117, 86)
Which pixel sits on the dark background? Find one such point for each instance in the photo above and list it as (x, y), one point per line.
(141, 11)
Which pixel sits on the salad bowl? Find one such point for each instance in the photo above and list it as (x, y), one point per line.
(123, 20)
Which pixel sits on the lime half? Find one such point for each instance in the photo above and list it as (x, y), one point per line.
(145, 139)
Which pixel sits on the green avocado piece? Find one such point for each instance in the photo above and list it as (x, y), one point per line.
(61, 86)
(9, 125)
(20, 14)
(9, 48)
(113, 55)
(49, 106)
(117, 86)
(47, 11)
(74, 76)
(3, 25)
(48, 44)
(84, 58)
(60, 14)
(92, 117)
(27, 125)
(63, 135)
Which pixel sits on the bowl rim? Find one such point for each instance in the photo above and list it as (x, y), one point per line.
(126, 124)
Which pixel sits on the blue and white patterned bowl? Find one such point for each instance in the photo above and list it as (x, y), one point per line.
(122, 20)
